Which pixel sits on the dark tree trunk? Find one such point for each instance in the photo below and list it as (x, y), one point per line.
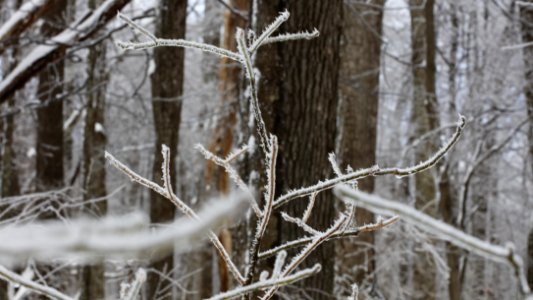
(526, 17)
(424, 119)
(49, 163)
(299, 96)
(94, 175)
(49, 144)
(167, 89)
(9, 176)
(359, 98)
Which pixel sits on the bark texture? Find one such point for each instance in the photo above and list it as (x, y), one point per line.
(94, 143)
(526, 17)
(359, 98)
(424, 118)
(167, 89)
(298, 94)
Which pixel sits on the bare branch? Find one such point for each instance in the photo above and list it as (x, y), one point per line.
(298, 259)
(374, 171)
(232, 174)
(263, 284)
(40, 289)
(131, 290)
(112, 237)
(339, 234)
(460, 239)
(184, 208)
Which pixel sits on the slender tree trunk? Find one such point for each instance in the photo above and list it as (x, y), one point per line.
(222, 141)
(526, 17)
(424, 118)
(448, 197)
(49, 144)
(359, 94)
(167, 89)
(303, 116)
(94, 175)
(9, 176)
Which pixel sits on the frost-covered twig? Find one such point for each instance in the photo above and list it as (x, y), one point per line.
(40, 56)
(232, 174)
(40, 289)
(19, 21)
(271, 185)
(300, 223)
(184, 208)
(158, 42)
(374, 171)
(355, 292)
(309, 208)
(131, 290)
(504, 254)
(112, 237)
(284, 16)
(263, 284)
(262, 222)
(250, 74)
(299, 258)
(292, 37)
(339, 234)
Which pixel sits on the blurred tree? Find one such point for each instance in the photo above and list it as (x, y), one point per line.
(358, 112)
(526, 18)
(167, 90)
(424, 118)
(94, 142)
(221, 143)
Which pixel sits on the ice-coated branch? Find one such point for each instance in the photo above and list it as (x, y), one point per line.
(504, 254)
(40, 289)
(131, 290)
(184, 208)
(299, 258)
(355, 292)
(263, 284)
(159, 42)
(250, 74)
(232, 174)
(262, 222)
(284, 16)
(19, 21)
(300, 223)
(271, 185)
(304, 35)
(309, 208)
(374, 171)
(113, 237)
(39, 57)
(167, 183)
(339, 234)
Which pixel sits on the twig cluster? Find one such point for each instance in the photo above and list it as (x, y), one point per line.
(505, 254)
(283, 273)
(247, 46)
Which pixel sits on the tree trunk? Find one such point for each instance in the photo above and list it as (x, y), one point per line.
(49, 145)
(448, 197)
(303, 116)
(167, 89)
(94, 175)
(9, 176)
(526, 17)
(359, 98)
(222, 141)
(424, 118)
